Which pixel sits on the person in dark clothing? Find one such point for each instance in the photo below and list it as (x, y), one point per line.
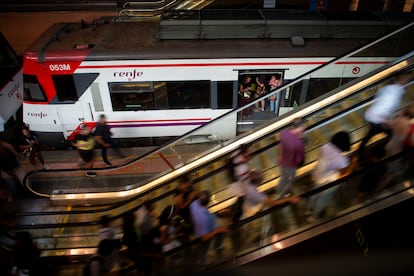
(28, 256)
(183, 199)
(141, 249)
(103, 136)
(29, 145)
(104, 259)
(377, 175)
(9, 162)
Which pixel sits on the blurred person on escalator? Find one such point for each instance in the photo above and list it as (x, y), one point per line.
(183, 199)
(292, 150)
(386, 102)
(103, 136)
(28, 261)
(205, 227)
(402, 140)
(239, 169)
(332, 164)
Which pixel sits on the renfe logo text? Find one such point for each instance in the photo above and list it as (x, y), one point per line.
(131, 75)
(37, 114)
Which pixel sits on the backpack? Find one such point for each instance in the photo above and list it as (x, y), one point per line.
(87, 268)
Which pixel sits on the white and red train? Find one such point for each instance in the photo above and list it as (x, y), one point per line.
(151, 88)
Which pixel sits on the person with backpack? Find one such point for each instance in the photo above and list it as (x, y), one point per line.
(103, 261)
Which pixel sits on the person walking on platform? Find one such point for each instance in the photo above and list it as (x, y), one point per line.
(292, 155)
(85, 143)
(29, 145)
(103, 136)
(386, 102)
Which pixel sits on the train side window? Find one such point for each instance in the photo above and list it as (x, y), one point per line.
(188, 94)
(225, 94)
(160, 95)
(65, 88)
(32, 89)
(131, 96)
(320, 86)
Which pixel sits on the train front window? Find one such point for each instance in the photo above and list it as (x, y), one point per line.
(65, 88)
(32, 90)
(130, 96)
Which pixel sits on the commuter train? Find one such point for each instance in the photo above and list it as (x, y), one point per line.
(11, 85)
(149, 87)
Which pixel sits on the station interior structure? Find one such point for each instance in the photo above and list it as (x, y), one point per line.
(62, 209)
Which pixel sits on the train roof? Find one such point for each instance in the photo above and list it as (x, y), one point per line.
(156, 40)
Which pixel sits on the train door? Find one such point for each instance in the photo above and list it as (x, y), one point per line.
(72, 108)
(257, 83)
(70, 116)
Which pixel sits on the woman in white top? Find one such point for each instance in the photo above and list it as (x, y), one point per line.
(331, 165)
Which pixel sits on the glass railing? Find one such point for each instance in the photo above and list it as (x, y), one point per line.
(280, 227)
(269, 231)
(57, 230)
(226, 133)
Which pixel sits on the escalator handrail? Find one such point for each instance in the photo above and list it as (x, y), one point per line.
(281, 88)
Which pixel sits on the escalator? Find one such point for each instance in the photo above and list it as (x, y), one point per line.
(262, 236)
(73, 232)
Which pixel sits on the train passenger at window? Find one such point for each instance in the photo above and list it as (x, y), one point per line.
(85, 143)
(245, 95)
(29, 145)
(260, 91)
(274, 83)
(331, 165)
(103, 136)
